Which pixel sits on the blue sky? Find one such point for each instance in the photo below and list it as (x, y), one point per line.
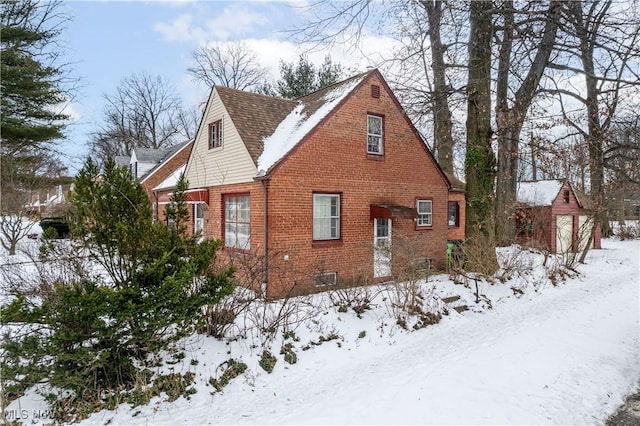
(107, 41)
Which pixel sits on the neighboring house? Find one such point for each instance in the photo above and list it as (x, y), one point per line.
(51, 201)
(319, 191)
(175, 158)
(552, 215)
(152, 166)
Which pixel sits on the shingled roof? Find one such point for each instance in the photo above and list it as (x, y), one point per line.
(254, 116)
(257, 117)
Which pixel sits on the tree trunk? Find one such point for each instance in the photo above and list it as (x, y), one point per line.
(509, 119)
(596, 135)
(443, 139)
(480, 161)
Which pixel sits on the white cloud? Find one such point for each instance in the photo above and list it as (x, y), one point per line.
(178, 29)
(231, 22)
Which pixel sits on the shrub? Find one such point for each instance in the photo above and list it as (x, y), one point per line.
(94, 332)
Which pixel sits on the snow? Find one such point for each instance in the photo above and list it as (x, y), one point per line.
(172, 180)
(565, 354)
(538, 193)
(296, 125)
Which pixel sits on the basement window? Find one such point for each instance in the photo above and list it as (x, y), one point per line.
(322, 280)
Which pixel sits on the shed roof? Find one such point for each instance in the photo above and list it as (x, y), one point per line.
(538, 193)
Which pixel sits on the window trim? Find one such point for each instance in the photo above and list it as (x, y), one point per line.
(457, 221)
(418, 224)
(326, 240)
(381, 136)
(225, 197)
(218, 126)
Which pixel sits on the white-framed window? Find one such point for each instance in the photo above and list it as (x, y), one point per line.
(329, 278)
(374, 134)
(154, 212)
(237, 222)
(215, 134)
(198, 217)
(326, 216)
(425, 212)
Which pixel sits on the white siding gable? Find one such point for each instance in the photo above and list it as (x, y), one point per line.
(228, 164)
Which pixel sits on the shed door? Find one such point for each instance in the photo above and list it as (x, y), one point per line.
(584, 231)
(564, 233)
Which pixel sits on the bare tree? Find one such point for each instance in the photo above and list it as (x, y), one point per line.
(232, 65)
(143, 112)
(516, 61)
(601, 46)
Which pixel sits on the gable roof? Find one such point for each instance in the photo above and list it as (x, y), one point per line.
(254, 116)
(271, 127)
(538, 193)
(149, 155)
(307, 114)
(168, 154)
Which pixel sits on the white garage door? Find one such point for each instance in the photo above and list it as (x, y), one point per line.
(564, 233)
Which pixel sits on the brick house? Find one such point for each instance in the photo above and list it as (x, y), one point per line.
(552, 215)
(312, 192)
(152, 166)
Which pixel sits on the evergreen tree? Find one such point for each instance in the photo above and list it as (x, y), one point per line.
(93, 331)
(298, 80)
(31, 85)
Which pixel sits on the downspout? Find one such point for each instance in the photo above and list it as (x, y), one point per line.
(265, 218)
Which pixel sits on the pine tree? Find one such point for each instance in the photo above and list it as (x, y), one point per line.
(96, 330)
(31, 85)
(298, 80)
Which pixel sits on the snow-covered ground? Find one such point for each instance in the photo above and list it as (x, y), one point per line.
(565, 354)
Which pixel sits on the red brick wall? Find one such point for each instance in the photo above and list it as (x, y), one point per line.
(334, 159)
(165, 170)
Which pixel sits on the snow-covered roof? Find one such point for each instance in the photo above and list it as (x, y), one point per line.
(309, 111)
(538, 193)
(172, 180)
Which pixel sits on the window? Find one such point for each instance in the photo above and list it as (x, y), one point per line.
(424, 208)
(374, 134)
(215, 134)
(326, 216)
(322, 280)
(171, 224)
(198, 217)
(566, 195)
(454, 213)
(237, 222)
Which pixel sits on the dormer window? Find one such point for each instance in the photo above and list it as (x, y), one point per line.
(215, 134)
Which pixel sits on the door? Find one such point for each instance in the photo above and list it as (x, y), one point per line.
(381, 248)
(564, 233)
